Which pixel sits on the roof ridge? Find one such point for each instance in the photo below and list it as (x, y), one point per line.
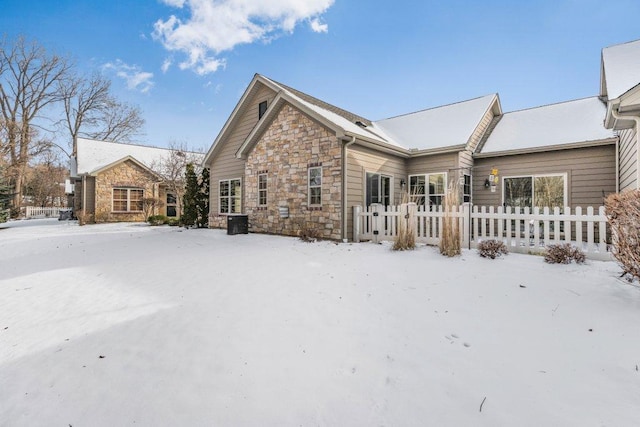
(436, 107)
(139, 145)
(553, 103)
(620, 44)
(352, 117)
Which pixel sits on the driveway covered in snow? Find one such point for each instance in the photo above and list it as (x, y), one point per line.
(123, 324)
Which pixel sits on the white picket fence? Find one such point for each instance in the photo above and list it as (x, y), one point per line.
(521, 230)
(38, 212)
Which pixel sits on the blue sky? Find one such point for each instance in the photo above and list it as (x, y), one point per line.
(376, 58)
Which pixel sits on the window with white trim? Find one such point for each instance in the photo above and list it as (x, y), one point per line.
(315, 186)
(466, 188)
(230, 196)
(262, 108)
(262, 189)
(431, 186)
(535, 191)
(378, 189)
(127, 199)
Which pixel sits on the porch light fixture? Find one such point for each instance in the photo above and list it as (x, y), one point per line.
(487, 184)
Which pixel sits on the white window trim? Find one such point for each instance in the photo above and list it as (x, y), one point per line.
(391, 185)
(470, 188)
(542, 175)
(426, 183)
(129, 210)
(229, 196)
(309, 186)
(266, 190)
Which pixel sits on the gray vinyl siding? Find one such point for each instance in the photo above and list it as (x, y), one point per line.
(480, 130)
(225, 165)
(590, 173)
(361, 160)
(432, 164)
(628, 159)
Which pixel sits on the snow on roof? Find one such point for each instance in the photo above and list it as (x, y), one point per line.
(339, 120)
(549, 125)
(437, 127)
(621, 67)
(342, 122)
(93, 155)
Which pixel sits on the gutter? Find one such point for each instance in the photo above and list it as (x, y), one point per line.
(344, 188)
(557, 147)
(616, 115)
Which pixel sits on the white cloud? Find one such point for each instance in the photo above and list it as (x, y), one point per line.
(318, 27)
(135, 78)
(166, 64)
(216, 26)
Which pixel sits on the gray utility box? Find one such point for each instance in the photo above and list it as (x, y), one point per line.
(237, 224)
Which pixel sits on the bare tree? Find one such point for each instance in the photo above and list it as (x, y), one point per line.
(91, 111)
(172, 169)
(44, 182)
(28, 84)
(120, 122)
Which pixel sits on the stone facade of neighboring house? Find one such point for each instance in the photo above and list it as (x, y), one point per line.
(111, 180)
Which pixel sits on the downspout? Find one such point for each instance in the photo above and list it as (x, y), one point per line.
(616, 115)
(344, 188)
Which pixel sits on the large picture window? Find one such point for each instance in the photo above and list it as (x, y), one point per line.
(230, 196)
(378, 189)
(535, 191)
(127, 199)
(431, 187)
(315, 186)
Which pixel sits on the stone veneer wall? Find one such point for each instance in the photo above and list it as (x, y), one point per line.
(126, 174)
(285, 152)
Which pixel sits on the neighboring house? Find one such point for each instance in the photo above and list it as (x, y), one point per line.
(620, 89)
(110, 181)
(289, 160)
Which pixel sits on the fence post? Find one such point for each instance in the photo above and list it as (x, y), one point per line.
(376, 221)
(602, 231)
(466, 226)
(356, 223)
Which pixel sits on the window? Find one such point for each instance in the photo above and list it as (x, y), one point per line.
(315, 185)
(378, 189)
(434, 183)
(230, 196)
(262, 189)
(466, 188)
(172, 205)
(127, 199)
(262, 108)
(535, 191)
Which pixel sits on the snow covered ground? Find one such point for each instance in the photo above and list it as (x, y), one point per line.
(123, 324)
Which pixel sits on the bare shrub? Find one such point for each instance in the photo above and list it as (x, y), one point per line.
(492, 249)
(450, 239)
(623, 215)
(406, 237)
(308, 233)
(563, 253)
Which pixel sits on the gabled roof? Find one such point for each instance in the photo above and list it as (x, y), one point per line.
(122, 160)
(94, 155)
(445, 126)
(620, 71)
(450, 126)
(555, 126)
